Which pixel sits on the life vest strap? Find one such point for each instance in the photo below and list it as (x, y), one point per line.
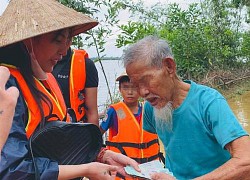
(83, 105)
(147, 159)
(134, 145)
(51, 116)
(72, 115)
(162, 158)
(117, 145)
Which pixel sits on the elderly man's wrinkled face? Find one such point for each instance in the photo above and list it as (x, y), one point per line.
(154, 84)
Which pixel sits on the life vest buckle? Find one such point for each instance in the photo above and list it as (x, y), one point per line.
(81, 96)
(80, 109)
(143, 145)
(146, 159)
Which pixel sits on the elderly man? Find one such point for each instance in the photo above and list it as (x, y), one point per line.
(201, 135)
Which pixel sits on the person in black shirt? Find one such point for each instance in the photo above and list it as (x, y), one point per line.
(89, 91)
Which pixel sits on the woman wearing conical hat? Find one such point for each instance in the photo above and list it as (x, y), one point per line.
(34, 35)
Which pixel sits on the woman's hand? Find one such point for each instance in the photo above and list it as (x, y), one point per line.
(161, 176)
(92, 171)
(119, 160)
(97, 171)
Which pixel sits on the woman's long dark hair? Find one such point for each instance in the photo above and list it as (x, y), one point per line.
(17, 55)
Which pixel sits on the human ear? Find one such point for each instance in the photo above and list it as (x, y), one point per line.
(169, 64)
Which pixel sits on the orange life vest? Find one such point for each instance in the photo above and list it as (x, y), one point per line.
(131, 139)
(59, 110)
(77, 80)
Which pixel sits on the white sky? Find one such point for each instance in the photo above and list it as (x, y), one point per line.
(111, 50)
(183, 3)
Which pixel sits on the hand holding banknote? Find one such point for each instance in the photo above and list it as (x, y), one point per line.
(151, 170)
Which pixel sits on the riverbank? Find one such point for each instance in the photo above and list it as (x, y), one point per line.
(231, 83)
(236, 90)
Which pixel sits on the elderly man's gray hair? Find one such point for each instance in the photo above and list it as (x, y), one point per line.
(150, 50)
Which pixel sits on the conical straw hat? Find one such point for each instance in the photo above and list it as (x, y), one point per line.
(24, 19)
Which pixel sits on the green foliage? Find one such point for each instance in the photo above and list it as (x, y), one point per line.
(134, 31)
(246, 47)
(240, 4)
(204, 37)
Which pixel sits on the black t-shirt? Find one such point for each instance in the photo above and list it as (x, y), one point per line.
(61, 73)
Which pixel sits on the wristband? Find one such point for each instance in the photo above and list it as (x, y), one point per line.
(101, 154)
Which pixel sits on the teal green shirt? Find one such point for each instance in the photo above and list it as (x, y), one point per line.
(202, 126)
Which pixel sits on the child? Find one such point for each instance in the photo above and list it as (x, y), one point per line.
(124, 121)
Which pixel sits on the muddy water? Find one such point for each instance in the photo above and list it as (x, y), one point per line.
(241, 108)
